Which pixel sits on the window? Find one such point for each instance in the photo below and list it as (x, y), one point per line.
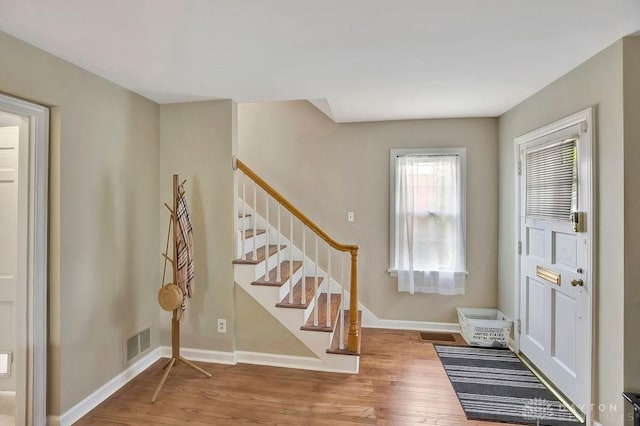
(552, 181)
(427, 219)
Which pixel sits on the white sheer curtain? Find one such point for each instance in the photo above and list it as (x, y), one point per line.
(429, 225)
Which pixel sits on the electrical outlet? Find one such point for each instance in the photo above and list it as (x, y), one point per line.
(222, 325)
(351, 217)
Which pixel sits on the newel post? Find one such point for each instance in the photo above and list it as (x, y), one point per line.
(352, 343)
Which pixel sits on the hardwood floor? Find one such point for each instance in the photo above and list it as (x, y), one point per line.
(401, 382)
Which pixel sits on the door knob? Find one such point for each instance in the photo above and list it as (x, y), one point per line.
(578, 283)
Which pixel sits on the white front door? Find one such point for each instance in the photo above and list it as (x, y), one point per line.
(9, 261)
(555, 261)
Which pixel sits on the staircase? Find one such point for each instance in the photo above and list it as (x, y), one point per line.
(297, 273)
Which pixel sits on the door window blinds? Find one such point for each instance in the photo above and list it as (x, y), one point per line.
(552, 181)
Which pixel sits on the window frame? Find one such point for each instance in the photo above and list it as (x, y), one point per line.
(461, 152)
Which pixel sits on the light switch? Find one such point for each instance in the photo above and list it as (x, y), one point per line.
(351, 217)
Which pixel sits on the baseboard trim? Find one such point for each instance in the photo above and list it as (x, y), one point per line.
(284, 361)
(257, 358)
(370, 320)
(202, 355)
(89, 403)
(444, 327)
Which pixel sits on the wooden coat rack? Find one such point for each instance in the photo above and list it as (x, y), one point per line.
(176, 358)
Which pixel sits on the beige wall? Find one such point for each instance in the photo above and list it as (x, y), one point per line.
(327, 169)
(197, 143)
(258, 331)
(631, 62)
(104, 239)
(597, 82)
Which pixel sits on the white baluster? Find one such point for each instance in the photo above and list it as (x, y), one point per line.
(266, 236)
(278, 268)
(304, 264)
(342, 301)
(244, 213)
(255, 217)
(328, 285)
(317, 308)
(290, 258)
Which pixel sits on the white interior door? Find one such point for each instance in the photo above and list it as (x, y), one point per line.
(9, 202)
(555, 261)
(23, 254)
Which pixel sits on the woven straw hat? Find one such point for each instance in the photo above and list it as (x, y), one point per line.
(170, 297)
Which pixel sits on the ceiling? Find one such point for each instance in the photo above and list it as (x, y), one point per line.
(358, 60)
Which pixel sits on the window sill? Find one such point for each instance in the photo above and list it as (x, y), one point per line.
(394, 272)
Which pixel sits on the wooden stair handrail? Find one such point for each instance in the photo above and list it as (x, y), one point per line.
(352, 342)
(297, 213)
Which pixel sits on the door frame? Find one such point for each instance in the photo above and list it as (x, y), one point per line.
(33, 381)
(586, 116)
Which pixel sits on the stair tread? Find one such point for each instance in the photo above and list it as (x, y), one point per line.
(284, 274)
(335, 343)
(260, 255)
(310, 290)
(249, 232)
(322, 314)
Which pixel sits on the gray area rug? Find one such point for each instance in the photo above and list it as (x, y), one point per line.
(494, 385)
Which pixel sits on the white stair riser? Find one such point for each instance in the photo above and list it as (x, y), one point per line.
(343, 363)
(246, 223)
(272, 262)
(259, 241)
(284, 289)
